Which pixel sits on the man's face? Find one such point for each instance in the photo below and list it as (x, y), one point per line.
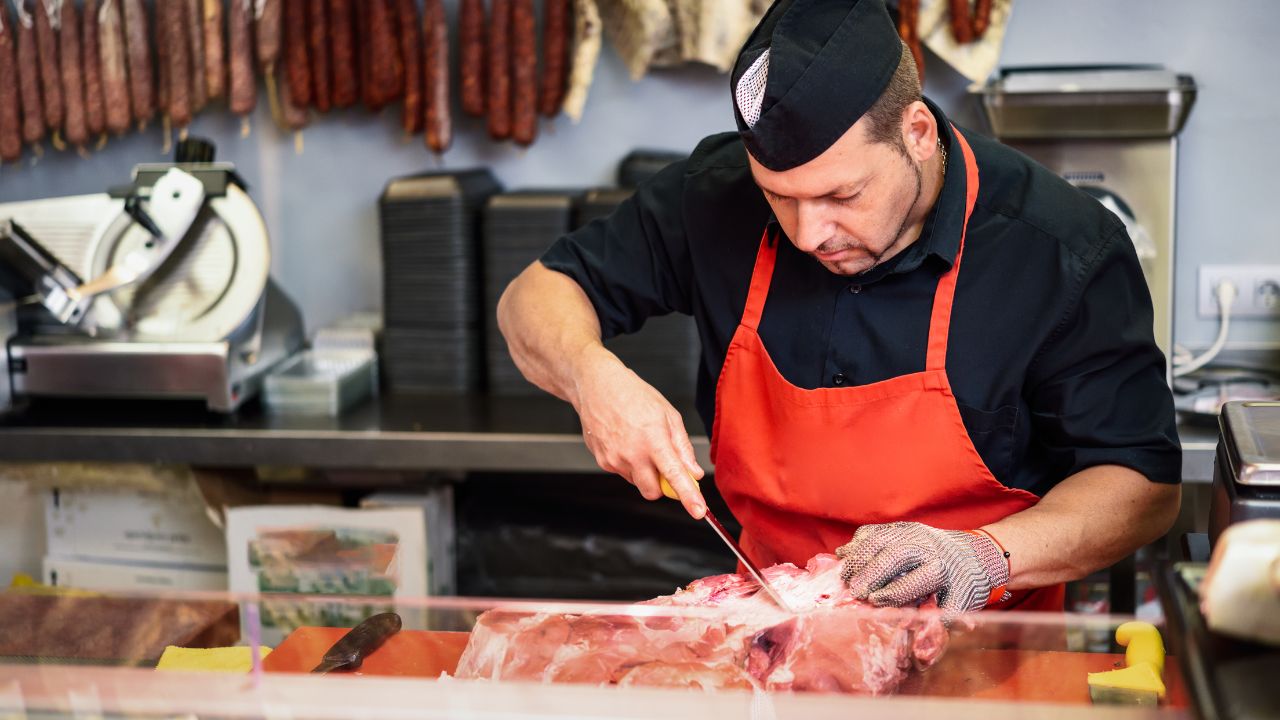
(850, 207)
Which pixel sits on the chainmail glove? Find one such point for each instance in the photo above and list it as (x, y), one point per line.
(903, 563)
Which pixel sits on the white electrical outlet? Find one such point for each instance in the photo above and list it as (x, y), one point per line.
(1257, 290)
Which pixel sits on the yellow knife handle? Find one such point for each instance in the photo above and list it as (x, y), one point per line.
(668, 490)
(1142, 645)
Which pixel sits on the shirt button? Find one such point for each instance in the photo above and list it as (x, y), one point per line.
(838, 379)
(855, 289)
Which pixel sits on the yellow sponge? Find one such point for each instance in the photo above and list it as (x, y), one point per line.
(1139, 683)
(224, 659)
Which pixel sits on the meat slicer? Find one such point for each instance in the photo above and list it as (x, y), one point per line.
(157, 290)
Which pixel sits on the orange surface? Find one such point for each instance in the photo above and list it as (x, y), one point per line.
(1027, 675)
(413, 653)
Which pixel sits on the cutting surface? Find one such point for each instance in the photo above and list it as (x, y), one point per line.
(411, 653)
(1024, 675)
(1027, 675)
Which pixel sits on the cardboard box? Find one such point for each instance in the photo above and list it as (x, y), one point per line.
(97, 575)
(130, 526)
(436, 504)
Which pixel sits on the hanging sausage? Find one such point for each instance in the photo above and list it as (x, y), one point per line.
(242, 94)
(524, 73)
(384, 82)
(968, 27)
(10, 116)
(142, 84)
(193, 27)
(343, 58)
(33, 129)
(413, 116)
(318, 50)
(266, 15)
(297, 64)
(499, 65)
(114, 61)
(215, 60)
(174, 51)
(439, 124)
(46, 17)
(94, 112)
(472, 56)
(71, 69)
(555, 56)
(267, 36)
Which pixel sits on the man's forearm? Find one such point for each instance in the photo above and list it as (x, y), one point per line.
(551, 329)
(1088, 522)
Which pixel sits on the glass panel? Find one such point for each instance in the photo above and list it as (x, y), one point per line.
(96, 655)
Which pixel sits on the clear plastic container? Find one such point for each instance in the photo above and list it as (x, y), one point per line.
(321, 382)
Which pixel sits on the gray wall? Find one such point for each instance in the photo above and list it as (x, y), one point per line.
(321, 209)
(1227, 162)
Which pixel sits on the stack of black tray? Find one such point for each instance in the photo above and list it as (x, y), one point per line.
(518, 228)
(599, 203)
(642, 164)
(431, 281)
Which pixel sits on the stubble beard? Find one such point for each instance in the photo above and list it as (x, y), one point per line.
(878, 258)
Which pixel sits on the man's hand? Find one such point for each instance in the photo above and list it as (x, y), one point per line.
(905, 562)
(633, 431)
(553, 334)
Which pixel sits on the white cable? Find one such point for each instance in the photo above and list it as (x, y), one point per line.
(1226, 292)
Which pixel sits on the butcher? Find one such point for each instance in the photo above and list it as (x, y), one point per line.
(920, 349)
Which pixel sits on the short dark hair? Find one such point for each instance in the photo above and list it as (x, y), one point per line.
(885, 115)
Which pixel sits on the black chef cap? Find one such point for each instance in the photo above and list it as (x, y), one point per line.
(811, 69)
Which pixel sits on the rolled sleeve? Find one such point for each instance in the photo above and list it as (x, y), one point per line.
(1097, 390)
(633, 264)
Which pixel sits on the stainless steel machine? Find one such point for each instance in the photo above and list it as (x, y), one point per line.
(156, 290)
(1112, 131)
(1246, 472)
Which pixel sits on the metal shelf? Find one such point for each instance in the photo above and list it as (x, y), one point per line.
(403, 432)
(392, 433)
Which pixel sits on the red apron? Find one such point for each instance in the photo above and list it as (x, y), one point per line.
(802, 469)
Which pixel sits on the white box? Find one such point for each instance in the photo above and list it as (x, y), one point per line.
(436, 504)
(91, 575)
(132, 526)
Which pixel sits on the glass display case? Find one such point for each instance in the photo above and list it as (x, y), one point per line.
(84, 655)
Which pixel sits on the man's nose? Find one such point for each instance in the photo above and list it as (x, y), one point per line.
(812, 226)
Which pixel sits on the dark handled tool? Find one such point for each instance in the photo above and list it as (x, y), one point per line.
(349, 652)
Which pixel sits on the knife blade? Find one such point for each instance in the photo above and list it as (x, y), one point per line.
(349, 652)
(752, 568)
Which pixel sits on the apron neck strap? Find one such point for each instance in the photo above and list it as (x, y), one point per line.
(940, 320)
(761, 276)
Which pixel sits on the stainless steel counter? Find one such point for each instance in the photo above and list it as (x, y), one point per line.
(391, 433)
(445, 433)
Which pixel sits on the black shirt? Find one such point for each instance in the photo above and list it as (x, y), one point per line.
(1051, 355)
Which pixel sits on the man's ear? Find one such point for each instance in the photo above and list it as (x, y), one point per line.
(919, 131)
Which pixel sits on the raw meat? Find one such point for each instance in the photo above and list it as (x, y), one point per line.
(721, 632)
